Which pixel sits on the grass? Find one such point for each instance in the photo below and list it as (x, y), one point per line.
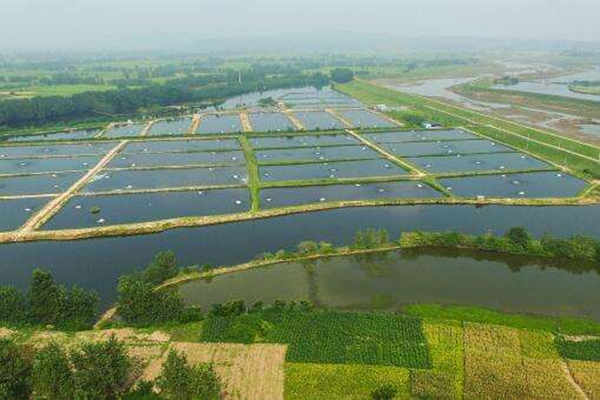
(326, 381)
(54, 90)
(253, 174)
(332, 337)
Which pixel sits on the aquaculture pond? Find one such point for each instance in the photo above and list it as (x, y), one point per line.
(318, 120)
(215, 124)
(38, 184)
(156, 146)
(418, 136)
(273, 142)
(330, 170)
(166, 178)
(527, 185)
(144, 160)
(316, 154)
(416, 149)
(34, 165)
(128, 130)
(478, 162)
(55, 150)
(388, 281)
(179, 126)
(97, 263)
(73, 135)
(270, 122)
(16, 212)
(365, 119)
(294, 196)
(90, 211)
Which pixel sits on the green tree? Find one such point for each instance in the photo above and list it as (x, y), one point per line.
(519, 237)
(13, 308)
(15, 372)
(46, 299)
(139, 303)
(52, 374)
(180, 381)
(163, 267)
(101, 370)
(81, 309)
(342, 75)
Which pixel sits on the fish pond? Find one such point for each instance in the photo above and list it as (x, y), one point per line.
(90, 211)
(388, 281)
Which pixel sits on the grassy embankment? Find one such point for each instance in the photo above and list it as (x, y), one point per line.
(482, 91)
(577, 156)
(586, 89)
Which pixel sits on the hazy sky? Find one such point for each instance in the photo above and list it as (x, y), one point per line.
(93, 24)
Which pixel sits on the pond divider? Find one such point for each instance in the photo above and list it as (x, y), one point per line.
(245, 120)
(55, 205)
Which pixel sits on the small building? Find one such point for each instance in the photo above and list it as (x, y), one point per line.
(382, 108)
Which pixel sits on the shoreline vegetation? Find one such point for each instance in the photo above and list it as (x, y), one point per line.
(517, 241)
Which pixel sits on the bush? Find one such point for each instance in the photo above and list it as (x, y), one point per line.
(163, 267)
(15, 371)
(384, 392)
(13, 308)
(81, 309)
(180, 381)
(519, 237)
(247, 329)
(143, 391)
(52, 374)
(101, 370)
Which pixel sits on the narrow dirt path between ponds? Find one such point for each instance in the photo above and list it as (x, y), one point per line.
(55, 205)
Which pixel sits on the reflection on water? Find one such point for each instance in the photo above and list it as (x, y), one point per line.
(391, 280)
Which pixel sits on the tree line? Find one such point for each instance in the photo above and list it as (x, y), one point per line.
(214, 89)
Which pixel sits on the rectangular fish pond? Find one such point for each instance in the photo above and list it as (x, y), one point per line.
(420, 136)
(318, 120)
(47, 150)
(38, 184)
(143, 160)
(156, 146)
(330, 170)
(129, 130)
(35, 165)
(418, 149)
(274, 142)
(166, 178)
(270, 122)
(317, 154)
(479, 162)
(526, 185)
(179, 126)
(73, 135)
(294, 196)
(91, 211)
(16, 212)
(365, 119)
(220, 124)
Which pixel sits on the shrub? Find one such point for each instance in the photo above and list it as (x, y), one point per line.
(519, 237)
(101, 369)
(384, 392)
(143, 391)
(247, 329)
(15, 371)
(13, 308)
(80, 310)
(163, 267)
(52, 374)
(180, 381)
